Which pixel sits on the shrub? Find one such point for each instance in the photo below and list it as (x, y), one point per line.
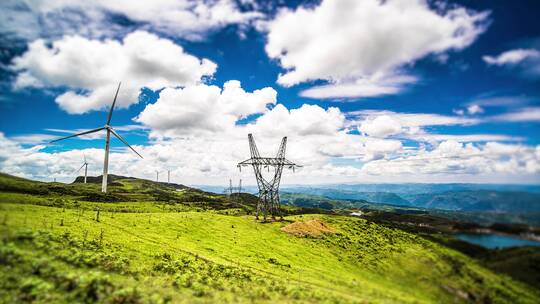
(128, 295)
(32, 288)
(9, 255)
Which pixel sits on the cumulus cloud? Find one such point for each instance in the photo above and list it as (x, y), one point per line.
(189, 19)
(413, 126)
(474, 109)
(198, 134)
(203, 124)
(381, 126)
(453, 158)
(364, 44)
(206, 160)
(304, 121)
(91, 69)
(204, 108)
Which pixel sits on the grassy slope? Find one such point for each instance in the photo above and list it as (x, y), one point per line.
(180, 252)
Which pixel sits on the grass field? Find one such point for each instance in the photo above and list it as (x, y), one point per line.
(154, 244)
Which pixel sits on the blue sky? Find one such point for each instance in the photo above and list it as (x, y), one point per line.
(469, 86)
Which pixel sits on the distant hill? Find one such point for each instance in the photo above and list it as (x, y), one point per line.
(375, 197)
(406, 189)
(480, 200)
(111, 178)
(313, 201)
(124, 188)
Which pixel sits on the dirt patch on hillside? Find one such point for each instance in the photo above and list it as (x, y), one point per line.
(308, 228)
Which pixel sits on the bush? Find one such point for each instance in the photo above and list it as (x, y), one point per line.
(9, 255)
(33, 288)
(93, 287)
(126, 296)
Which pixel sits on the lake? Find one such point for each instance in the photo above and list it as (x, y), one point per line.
(493, 241)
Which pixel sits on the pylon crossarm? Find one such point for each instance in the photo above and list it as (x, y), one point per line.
(267, 161)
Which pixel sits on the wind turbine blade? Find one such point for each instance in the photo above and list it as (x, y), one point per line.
(114, 102)
(80, 168)
(84, 156)
(124, 141)
(79, 134)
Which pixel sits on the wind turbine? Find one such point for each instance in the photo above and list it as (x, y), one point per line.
(85, 165)
(109, 130)
(157, 176)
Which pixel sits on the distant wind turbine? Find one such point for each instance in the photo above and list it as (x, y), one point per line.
(85, 165)
(107, 141)
(157, 176)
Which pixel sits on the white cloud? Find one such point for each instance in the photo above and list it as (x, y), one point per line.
(212, 160)
(459, 112)
(33, 139)
(380, 148)
(463, 138)
(188, 19)
(519, 113)
(350, 43)
(489, 161)
(381, 126)
(413, 125)
(304, 121)
(364, 87)
(198, 126)
(33, 163)
(524, 61)
(204, 108)
(195, 133)
(95, 67)
(414, 120)
(511, 57)
(502, 101)
(474, 109)
(527, 114)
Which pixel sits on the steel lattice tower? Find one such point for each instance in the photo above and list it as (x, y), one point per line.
(268, 203)
(230, 190)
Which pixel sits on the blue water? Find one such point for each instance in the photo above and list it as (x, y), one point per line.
(493, 241)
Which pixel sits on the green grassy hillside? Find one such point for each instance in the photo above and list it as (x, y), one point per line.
(149, 243)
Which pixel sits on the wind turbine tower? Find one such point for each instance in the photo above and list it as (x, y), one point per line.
(110, 131)
(268, 202)
(240, 186)
(85, 165)
(168, 176)
(157, 176)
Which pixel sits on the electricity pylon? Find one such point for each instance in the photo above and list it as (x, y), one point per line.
(230, 190)
(268, 203)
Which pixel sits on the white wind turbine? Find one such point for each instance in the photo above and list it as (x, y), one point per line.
(107, 141)
(85, 165)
